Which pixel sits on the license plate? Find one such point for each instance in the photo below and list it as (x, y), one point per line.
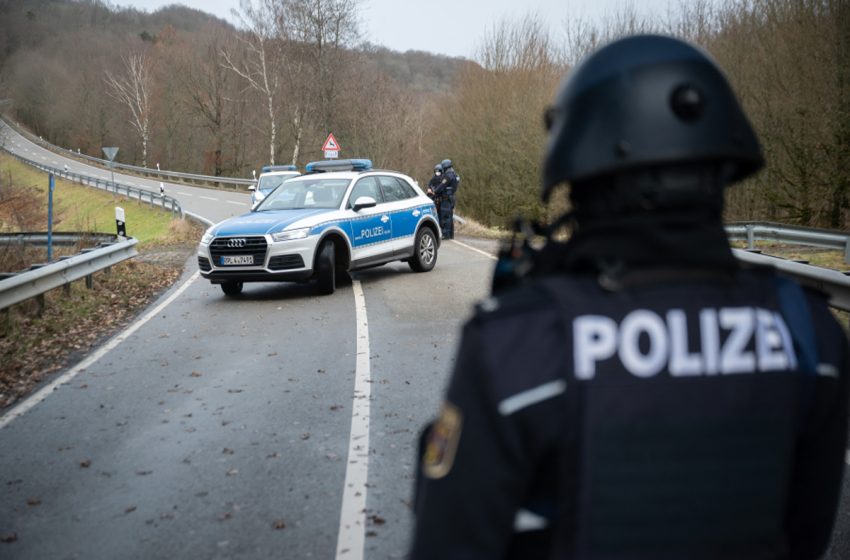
(237, 260)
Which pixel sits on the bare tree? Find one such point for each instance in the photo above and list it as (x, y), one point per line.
(325, 28)
(257, 65)
(132, 90)
(206, 84)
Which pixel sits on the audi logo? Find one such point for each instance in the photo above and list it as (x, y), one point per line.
(237, 243)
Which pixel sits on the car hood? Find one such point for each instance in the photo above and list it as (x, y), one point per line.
(261, 223)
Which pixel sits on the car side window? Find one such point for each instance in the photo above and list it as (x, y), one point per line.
(407, 188)
(367, 186)
(392, 189)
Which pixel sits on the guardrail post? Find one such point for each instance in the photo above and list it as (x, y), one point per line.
(847, 251)
(90, 282)
(67, 288)
(751, 238)
(40, 304)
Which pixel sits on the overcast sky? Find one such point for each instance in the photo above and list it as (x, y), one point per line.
(450, 27)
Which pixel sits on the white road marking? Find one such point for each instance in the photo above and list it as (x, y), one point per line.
(66, 377)
(471, 248)
(352, 519)
(207, 198)
(236, 203)
(181, 193)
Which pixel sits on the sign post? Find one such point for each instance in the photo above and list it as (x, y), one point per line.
(331, 147)
(51, 187)
(120, 224)
(110, 153)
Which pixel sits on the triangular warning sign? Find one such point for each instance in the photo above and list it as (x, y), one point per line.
(330, 144)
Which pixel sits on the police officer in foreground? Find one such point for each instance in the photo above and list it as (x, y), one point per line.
(432, 186)
(640, 394)
(445, 193)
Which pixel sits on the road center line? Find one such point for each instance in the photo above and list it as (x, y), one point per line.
(208, 198)
(471, 248)
(352, 519)
(45, 391)
(237, 203)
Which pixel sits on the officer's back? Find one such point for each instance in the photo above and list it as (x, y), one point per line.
(641, 395)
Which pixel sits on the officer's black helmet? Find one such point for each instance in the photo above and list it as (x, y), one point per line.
(445, 164)
(438, 167)
(641, 102)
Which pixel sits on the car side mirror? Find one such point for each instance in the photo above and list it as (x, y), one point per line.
(364, 202)
(252, 188)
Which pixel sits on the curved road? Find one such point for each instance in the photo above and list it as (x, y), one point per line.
(275, 425)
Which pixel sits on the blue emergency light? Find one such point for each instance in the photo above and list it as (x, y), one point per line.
(268, 168)
(339, 165)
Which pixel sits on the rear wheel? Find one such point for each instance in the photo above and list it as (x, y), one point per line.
(231, 288)
(326, 269)
(424, 251)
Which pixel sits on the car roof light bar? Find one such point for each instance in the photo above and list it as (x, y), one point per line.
(268, 168)
(339, 165)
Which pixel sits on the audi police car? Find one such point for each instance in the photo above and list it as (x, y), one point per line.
(339, 216)
(271, 176)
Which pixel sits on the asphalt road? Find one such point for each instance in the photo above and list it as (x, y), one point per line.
(221, 428)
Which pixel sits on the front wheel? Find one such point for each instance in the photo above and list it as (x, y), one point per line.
(231, 288)
(424, 251)
(326, 269)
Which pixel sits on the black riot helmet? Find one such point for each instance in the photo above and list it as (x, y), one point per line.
(445, 164)
(438, 168)
(641, 102)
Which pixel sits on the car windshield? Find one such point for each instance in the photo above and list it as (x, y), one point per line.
(268, 183)
(306, 193)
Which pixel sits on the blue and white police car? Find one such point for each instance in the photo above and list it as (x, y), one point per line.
(339, 216)
(271, 176)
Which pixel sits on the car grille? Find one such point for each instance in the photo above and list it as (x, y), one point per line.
(286, 262)
(204, 264)
(253, 246)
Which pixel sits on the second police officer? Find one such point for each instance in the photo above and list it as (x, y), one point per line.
(446, 193)
(432, 186)
(642, 395)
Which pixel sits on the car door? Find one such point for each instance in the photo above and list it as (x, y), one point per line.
(371, 228)
(400, 201)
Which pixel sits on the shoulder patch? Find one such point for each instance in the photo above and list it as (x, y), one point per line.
(442, 441)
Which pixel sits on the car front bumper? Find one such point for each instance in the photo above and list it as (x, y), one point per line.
(282, 261)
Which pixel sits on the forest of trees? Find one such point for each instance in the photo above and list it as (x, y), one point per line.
(193, 93)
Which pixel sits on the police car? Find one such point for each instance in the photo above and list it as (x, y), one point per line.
(271, 176)
(339, 216)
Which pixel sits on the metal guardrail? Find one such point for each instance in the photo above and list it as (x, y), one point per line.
(60, 238)
(146, 171)
(834, 283)
(782, 233)
(154, 198)
(33, 283)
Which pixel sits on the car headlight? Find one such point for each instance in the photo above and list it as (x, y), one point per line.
(208, 237)
(291, 234)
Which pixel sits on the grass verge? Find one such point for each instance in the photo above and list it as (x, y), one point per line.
(34, 345)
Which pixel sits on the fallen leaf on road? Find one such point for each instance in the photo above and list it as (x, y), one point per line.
(33, 502)
(9, 538)
(232, 472)
(85, 464)
(279, 524)
(195, 374)
(377, 520)
(305, 436)
(143, 473)
(227, 451)
(130, 509)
